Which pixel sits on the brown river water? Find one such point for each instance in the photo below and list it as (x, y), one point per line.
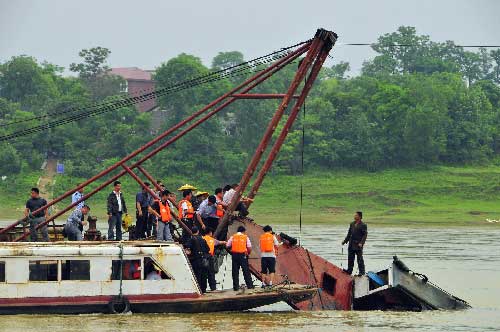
(463, 261)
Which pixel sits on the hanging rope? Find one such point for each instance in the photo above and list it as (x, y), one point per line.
(302, 167)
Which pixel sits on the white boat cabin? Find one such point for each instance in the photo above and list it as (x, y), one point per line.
(72, 269)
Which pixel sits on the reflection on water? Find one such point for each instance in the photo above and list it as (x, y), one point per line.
(464, 261)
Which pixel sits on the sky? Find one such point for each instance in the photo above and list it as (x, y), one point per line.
(146, 33)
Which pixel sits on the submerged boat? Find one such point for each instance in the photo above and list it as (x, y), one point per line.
(114, 277)
(399, 288)
(394, 288)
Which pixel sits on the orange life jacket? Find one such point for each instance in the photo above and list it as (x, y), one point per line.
(267, 242)
(164, 212)
(220, 211)
(211, 244)
(190, 210)
(239, 245)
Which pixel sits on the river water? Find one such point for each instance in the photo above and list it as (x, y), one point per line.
(463, 261)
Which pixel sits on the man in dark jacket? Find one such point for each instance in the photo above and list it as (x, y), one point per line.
(116, 208)
(199, 252)
(356, 237)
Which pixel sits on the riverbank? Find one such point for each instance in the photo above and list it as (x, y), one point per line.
(436, 196)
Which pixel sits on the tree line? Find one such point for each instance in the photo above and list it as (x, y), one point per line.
(417, 102)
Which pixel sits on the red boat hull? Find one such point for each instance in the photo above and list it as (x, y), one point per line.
(302, 267)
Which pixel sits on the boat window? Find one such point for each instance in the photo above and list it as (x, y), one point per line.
(131, 269)
(75, 270)
(43, 270)
(329, 283)
(2, 271)
(153, 271)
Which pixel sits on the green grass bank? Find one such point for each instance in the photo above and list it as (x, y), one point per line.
(436, 196)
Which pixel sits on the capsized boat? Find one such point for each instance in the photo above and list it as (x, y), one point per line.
(394, 288)
(114, 277)
(399, 288)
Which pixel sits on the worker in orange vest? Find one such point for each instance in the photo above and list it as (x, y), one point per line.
(240, 247)
(268, 249)
(210, 272)
(186, 214)
(161, 210)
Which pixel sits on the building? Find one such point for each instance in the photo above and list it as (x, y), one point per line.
(137, 82)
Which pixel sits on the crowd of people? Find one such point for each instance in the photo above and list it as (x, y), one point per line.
(199, 214)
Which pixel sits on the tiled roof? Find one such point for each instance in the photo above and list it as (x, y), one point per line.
(132, 73)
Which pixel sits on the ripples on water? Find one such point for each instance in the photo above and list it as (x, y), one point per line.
(464, 261)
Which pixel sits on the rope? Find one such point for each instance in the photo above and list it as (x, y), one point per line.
(412, 45)
(302, 168)
(120, 295)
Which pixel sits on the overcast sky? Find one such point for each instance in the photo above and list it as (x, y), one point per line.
(147, 33)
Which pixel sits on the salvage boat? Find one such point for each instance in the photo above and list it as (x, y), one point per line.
(399, 288)
(112, 277)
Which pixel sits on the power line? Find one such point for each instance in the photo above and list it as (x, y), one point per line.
(413, 45)
(237, 70)
(221, 73)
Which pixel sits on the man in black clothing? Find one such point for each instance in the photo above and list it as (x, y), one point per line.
(33, 204)
(142, 201)
(356, 237)
(199, 252)
(116, 208)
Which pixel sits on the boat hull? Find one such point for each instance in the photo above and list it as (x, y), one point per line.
(405, 291)
(217, 301)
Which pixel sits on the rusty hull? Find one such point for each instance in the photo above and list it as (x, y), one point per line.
(299, 265)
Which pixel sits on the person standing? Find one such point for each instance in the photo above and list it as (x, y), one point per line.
(207, 213)
(75, 223)
(228, 197)
(240, 247)
(116, 208)
(210, 272)
(77, 195)
(186, 213)
(199, 251)
(268, 249)
(161, 210)
(143, 201)
(356, 237)
(33, 204)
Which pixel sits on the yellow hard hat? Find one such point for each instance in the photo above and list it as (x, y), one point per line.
(186, 187)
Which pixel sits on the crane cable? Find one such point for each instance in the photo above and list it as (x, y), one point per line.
(237, 70)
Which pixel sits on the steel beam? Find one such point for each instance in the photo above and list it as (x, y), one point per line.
(261, 95)
(299, 51)
(288, 125)
(253, 81)
(313, 52)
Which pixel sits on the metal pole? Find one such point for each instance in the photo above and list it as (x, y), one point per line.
(258, 78)
(311, 55)
(260, 96)
(288, 125)
(149, 177)
(136, 178)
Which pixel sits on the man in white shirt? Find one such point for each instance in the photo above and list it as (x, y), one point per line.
(228, 197)
(116, 208)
